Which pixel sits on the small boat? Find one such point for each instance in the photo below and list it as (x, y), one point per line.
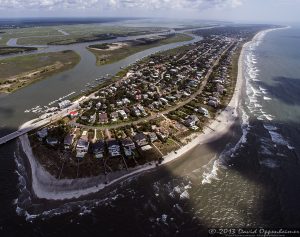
(27, 111)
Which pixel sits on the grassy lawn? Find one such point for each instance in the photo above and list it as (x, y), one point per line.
(21, 71)
(110, 53)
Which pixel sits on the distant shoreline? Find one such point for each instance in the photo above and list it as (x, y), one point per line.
(48, 187)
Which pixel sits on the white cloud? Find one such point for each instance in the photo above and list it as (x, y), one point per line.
(117, 4)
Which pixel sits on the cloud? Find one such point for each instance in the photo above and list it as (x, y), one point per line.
(117, 4)
(175, 4)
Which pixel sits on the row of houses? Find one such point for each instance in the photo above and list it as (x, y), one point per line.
(112, 147)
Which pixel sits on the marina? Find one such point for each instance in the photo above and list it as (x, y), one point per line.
(46, 109)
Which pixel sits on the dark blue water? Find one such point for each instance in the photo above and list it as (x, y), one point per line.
(253, 183)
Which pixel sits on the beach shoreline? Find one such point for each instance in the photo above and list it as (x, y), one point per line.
(45, 186)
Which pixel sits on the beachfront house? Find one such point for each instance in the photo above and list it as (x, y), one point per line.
(113, 148)
(82, 146)
(191, 121)
(213, 102)
(128, 146)
(68, 141)
(98, 149)
(203, 111)
(41, 134)
(140, 139)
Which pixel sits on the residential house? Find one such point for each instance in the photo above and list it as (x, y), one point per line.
(92, 118)
(98, 149)
(103, 118)
(113, 148)
(68, 141)
(136, 112)
(141, 108)
(191, 121)
(98, 105)
(152, 137)
(203, 111)
(42, 133)
(213, 101)
(82, 145)
(122, 114)
(140, 139)
(126, 101)
(162, 136)
(128, 146)
(119, 103)
(114, 116)
(73, 114)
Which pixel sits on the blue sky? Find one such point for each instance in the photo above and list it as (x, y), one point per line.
(233, 10)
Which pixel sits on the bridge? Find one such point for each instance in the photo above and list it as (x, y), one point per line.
(37, 123)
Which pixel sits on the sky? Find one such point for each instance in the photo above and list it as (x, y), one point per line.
(263, 11)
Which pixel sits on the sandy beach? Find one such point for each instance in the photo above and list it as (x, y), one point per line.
(48, 187)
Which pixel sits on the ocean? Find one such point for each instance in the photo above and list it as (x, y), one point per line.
(250, 178)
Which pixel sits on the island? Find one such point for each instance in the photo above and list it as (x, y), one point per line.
(21, 71)
(72, 34)
(158, 109)
(111, 52)
(14, 50)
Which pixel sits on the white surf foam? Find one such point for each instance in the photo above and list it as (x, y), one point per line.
(278, 139)
(269, 163)
(267, 98)
(208, 177)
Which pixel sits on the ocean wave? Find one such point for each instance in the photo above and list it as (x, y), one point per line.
(270, 163)
(211, 175)
(264, 91)
(270, 127)
(265, 151)
(267, 98)
(277, 138)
